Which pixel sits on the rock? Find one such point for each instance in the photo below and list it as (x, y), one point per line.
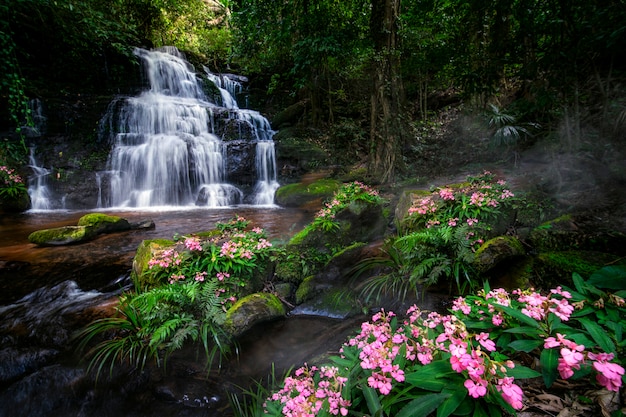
(66, 235)
(102, 223)
(89, 226)
(252, 309)
(297, 195)
(494, 251)
(146, 251)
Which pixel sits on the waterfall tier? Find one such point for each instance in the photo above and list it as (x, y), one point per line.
(184, 141)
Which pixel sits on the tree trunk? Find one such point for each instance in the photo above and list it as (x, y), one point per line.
(387, 116)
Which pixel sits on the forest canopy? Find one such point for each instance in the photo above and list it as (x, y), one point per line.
(539, 58)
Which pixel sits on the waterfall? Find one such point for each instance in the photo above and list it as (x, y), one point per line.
(38, 189)
(169, 146)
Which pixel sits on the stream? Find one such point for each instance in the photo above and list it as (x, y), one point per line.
(47, 293)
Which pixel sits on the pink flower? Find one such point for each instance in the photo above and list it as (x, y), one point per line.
(193, 244)
(609, 374)
(471, 222)
(488, 344)
(511, 393)
(476, 390)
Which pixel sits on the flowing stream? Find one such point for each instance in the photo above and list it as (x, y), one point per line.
(47, 293)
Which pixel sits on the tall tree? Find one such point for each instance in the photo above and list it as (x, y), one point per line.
(387, 117)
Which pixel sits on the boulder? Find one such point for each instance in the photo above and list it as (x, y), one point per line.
(300, 194)
(252, 309)
(103, 223)
(66, 235)
(497, 250)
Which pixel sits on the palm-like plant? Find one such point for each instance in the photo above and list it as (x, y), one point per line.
(506, 131)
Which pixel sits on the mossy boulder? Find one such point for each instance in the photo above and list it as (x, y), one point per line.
(571, 233)
(556, 268)
(103, 223)
(300, 194)
(497, 250)
(306, 290)
(65, 235)
(146, 250)
(252, 309)
(405, 201)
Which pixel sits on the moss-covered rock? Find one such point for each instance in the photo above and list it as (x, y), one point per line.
(103, 223)
(146, 251)
(556, 268)
(306, 290)
(570, 233)
(405, 201)
(299, 194)
(252, 309)
(494, 251)
(58, 236)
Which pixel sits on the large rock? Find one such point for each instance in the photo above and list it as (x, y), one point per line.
(300, 194)
(252, 309)
(497, 250)
(89, 227)
(66, 235)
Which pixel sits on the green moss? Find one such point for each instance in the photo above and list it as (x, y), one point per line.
(95, 219)
(140, 274)
(301, 193)
(61, 235)
(305, 290)
(566, 218)
(252, 309)
(556, 268)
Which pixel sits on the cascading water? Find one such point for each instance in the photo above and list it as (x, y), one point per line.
(38, 189)
(169, 145)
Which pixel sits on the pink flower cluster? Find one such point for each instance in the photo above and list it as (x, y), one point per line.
(379, 346)
(301, 396)
(165, 259)
(10, 177)
(193, 244)
(573, 355)
(538, 306)
(423, 206)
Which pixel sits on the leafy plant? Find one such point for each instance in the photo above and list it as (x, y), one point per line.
(464, 363)
(506, 129)
(438, 239)
(154, 324)
(191, 287)
(11, 184)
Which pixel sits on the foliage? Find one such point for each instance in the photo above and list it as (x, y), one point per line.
(586, 325)
(506, 131)
(442, 232)
(197, 285)
(11, 184)
(464, 363)
(344, 196)
(232, 257)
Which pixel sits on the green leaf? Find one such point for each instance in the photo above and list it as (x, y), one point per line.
(579, 283)
(530, 331)
(598, 334)
(518, 315)
(453, 402)
(522, 372)
(373, 403)
(525, 345)
(611, 277)
(422, 406)
(548, 360)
